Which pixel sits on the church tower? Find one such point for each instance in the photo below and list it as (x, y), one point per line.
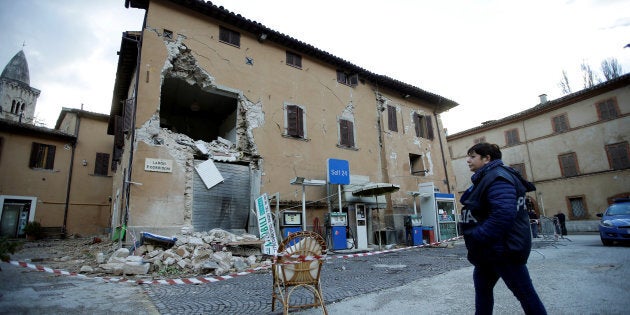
(17, 98)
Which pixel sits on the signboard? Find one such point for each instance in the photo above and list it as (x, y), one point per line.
(158, 165)
(265, 226)
(338, 172)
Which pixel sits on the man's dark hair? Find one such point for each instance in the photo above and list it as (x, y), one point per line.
(484, 149)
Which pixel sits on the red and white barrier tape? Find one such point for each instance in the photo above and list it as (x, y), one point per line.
(201, 280)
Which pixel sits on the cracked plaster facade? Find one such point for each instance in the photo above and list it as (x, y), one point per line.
(257, 77)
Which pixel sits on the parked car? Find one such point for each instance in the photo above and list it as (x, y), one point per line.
(615, 222)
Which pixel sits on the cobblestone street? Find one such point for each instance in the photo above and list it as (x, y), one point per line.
(341, 278)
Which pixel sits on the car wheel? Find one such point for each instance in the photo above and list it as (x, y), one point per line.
(607, 242)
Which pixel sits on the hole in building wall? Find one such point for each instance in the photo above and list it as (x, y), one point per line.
(197, 113)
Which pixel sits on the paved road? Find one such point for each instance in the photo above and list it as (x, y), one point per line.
(578, 276)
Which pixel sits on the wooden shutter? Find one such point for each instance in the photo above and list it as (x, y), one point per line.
(346, 133)
(50, 157)
(128, 115)
(32, 162)
(429, 123)
(392, 122)
(101, 164)
(416, 124)
(295, 121)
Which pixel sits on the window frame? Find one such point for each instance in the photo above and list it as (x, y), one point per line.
(392, 118)
(346, 133)
(560, 123)
(582, 199)
(347, 78)
(293, 59)
(610, 112)
(615, 153)
(229, 37)
(300, 119)
(101, 164)
(423, 126)
(42, 156)
(512, 137)
(565, 167)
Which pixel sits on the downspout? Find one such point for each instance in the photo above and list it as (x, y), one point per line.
(437, 123)
(74, 147)
(127, 177)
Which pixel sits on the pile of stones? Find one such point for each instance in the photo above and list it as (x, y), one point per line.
(216, 252)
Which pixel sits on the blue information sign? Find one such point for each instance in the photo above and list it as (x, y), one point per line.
(338, 172)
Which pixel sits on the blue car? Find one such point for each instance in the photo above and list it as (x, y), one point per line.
(615, 222)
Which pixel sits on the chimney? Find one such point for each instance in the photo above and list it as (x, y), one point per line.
(543, 98)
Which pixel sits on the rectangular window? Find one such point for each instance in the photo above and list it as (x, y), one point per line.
(479, 140)
(618, 155)
(295, 121)
(568, 164)
(417, 165)
(42, 156)
(294, 60)
(101, 164)
(607, 109)
(511, 137)
(128, 115)
(560, 123)
(346, 133)
(392, 122)
(424, 126)
(229, 36)
(347, 79)
(577, 207)
(520, 168)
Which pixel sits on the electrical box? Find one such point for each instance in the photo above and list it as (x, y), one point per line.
(438, 211)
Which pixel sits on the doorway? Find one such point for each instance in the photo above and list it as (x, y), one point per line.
(15, 214)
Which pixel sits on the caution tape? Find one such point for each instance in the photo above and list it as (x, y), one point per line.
(201, 280)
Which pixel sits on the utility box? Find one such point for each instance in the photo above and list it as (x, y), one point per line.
(439, 211)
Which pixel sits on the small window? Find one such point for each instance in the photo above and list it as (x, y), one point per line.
(479, 140)
(128, 116)
(423, 125)
(577, 207)
(347, 79)
(511, 137)
(346, 133)
(392, 122)
(417, 165)
(294, 60)
(568, 164)
(560, 123)
(229, 36)
(294, 121)
(42, 156)
(167, 34)
(520, 168)
(607, 109)
(101, 164)
(618, 155)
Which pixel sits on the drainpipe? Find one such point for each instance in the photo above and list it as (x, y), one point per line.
(74, 147)
(132, 138)
(448, 185)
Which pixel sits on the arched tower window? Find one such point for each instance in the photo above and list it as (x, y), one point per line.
(13, 110)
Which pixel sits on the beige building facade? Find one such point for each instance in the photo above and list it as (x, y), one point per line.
(574, 149)
(57, 177)
(212, 110)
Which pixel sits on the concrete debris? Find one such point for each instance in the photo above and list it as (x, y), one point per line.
(197, 253)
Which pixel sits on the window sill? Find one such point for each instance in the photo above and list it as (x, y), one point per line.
(347, 147)
(296, 138)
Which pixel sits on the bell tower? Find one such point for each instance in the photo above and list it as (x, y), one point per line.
(17, 98)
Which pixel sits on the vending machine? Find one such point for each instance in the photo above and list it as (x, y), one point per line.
(291, 222)
(413, 229)
(336, 223)
(438, 211)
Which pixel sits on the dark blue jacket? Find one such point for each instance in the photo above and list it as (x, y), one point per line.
(494, 219)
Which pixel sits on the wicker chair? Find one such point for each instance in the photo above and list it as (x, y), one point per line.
(289, 276)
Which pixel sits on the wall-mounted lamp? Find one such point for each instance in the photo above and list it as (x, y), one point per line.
(406, 96)
(84, 162)
(262, 37)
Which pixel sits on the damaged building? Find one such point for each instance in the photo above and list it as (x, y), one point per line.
(211, 110)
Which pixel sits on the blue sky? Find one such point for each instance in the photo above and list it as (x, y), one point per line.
(492, 57)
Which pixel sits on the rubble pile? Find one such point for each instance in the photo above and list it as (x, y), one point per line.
(216, 252)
